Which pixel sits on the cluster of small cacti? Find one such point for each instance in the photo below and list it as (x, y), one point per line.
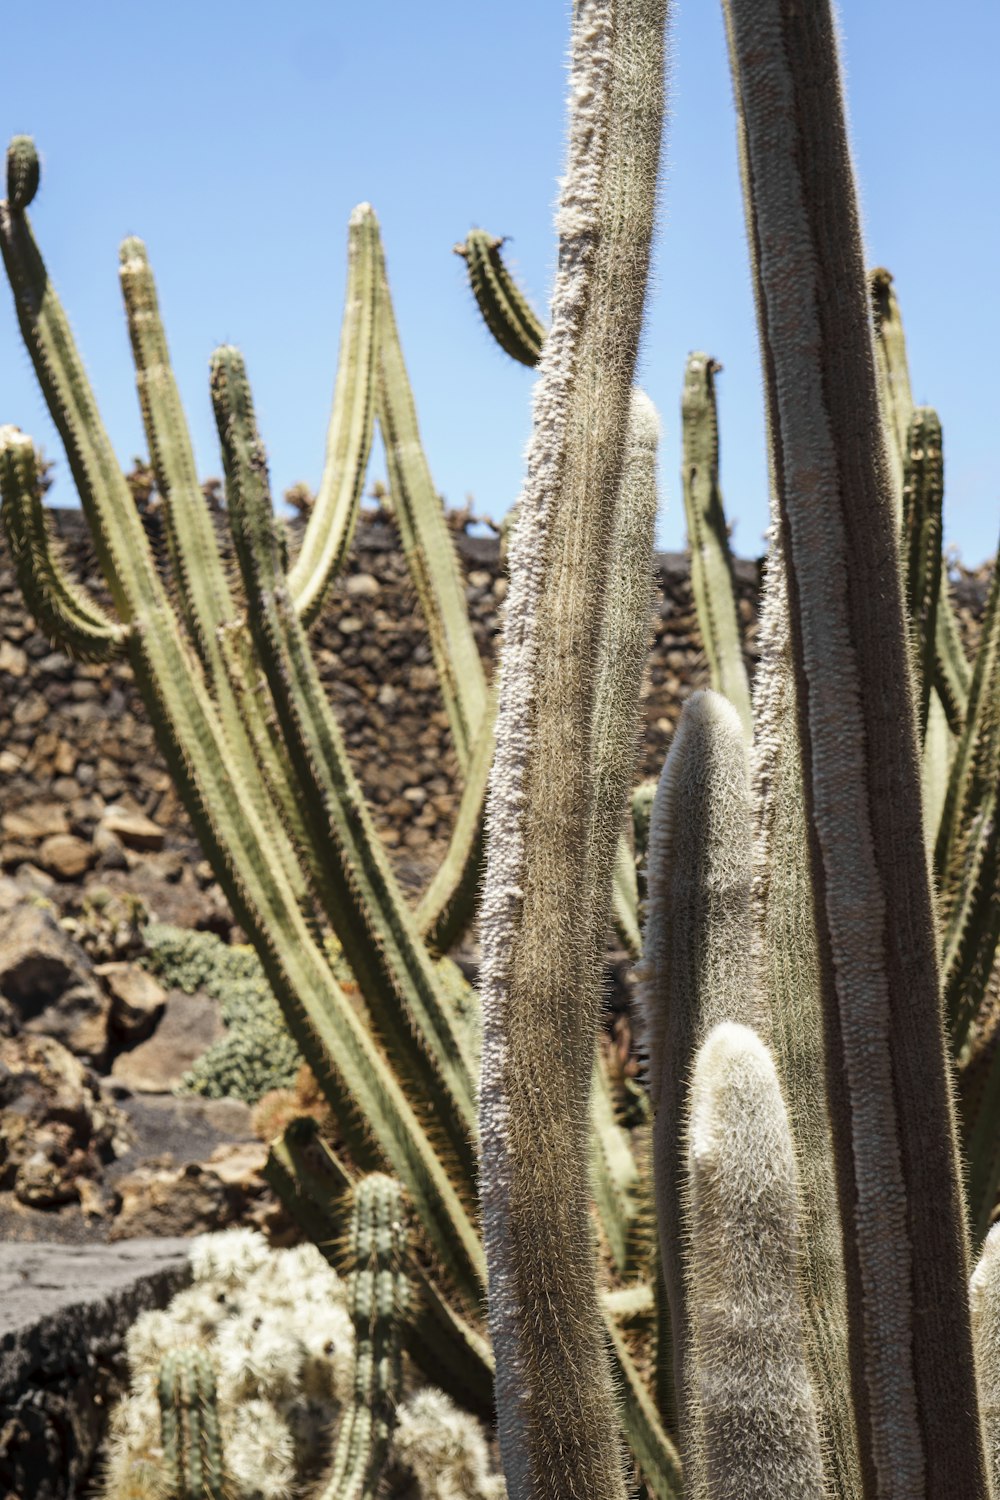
(270, 1376)
(802, 1326)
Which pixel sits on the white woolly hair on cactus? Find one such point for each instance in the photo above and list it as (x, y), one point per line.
(445, 1449)
(260, 1453)
(756, 1432)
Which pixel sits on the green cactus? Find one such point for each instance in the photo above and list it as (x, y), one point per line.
(505, 309)
(379, 1293)
(189, 1425)
(712, 581)
(923, 492)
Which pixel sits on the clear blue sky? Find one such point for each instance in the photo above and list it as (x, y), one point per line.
(236, 137)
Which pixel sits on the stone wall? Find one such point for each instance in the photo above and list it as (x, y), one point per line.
(75, 741)
(78, 763)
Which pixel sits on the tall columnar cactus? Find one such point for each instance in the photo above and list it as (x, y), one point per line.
(889, 1089)
(189, 1425)
(557, 1432)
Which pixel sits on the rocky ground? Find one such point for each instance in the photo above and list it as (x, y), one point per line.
(95, 1144)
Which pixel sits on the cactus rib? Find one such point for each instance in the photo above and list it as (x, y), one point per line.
(505, 309)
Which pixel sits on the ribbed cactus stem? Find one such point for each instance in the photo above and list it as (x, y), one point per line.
(697, 954)
(558, 1431)
(379, 1296)
(712, 581)
(334, 514)
(920, 550)
(23, 172)
(506, 311)
(756, 1432)
(889, 1084)
(189, 1425)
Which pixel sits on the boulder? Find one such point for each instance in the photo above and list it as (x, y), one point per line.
(137, 1000)
(133, 828)
(49, 981)
(188, 1026)
(56, 1128)
(65, 856)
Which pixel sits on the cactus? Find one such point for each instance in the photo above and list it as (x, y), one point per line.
(556, 1432)
(756, 1432)
(505, 309)
(378, 1297)
(708, 540)
(923, 491)
(984, 1298)
(189, 1425)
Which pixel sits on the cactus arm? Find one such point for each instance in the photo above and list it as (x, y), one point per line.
(697, 952)
(923, 493)
(427, 542)
(506, 311)
(312, 1183)
(203, 592)
(189, 1425)
(788, 976)
(614, 1178)
(350, 1068)
(951, 669)
(974, 931)
(984, 1298)
(379, 1295)
(650, 1445)
(371, 918)
(935, 770)
(554, 1395)
(757, 1433)
(981, 1136)
(712, 581)
(974, 766)
(893, 374)
(333, 517)
(204, 596)
(64, 610)
(448, 905)
(890, 1098)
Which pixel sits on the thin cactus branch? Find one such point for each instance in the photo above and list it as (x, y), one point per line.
(189, 1425)
(506, 311)
(64, 611)
(334, 514)
(712, 581)
(923, 493)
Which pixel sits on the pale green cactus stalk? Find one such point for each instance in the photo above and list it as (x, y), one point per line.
(756, 1431)
(712, 581)
(890, 1098)
(557, 1424)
